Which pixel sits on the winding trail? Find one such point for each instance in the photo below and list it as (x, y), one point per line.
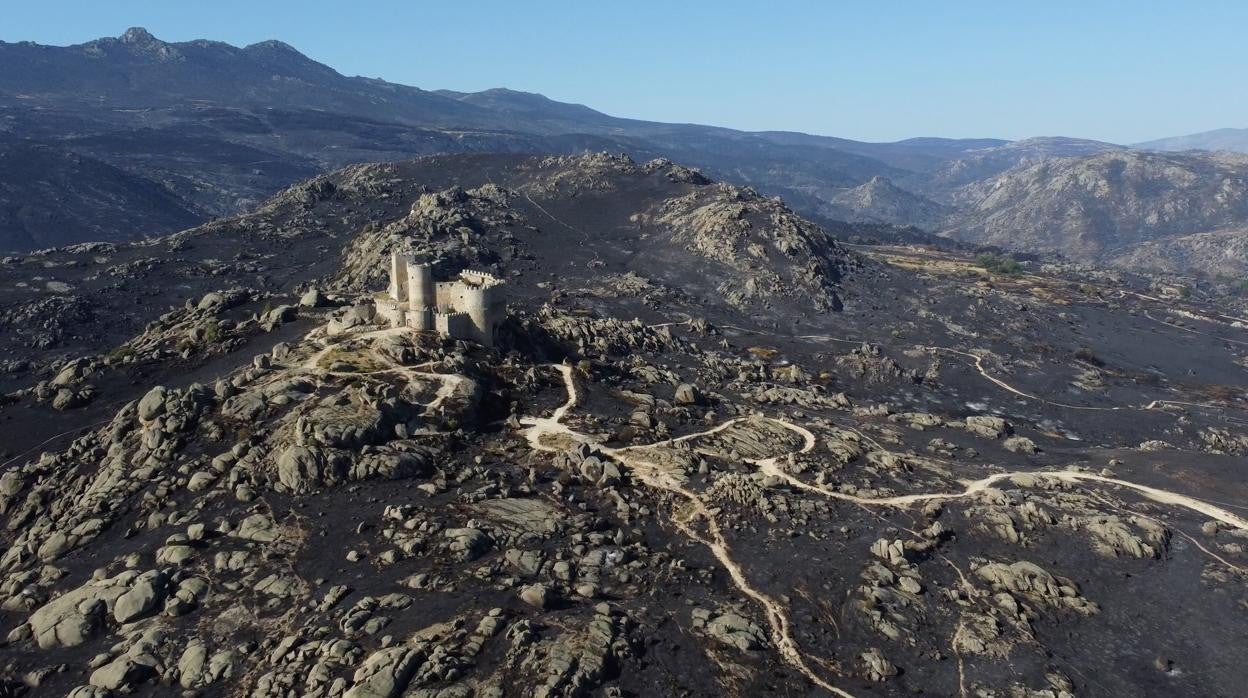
(699, 524)
(983, 372)
(586, 238)
(69, 432)
(651, 474)
(1232, 318)
(450, 383)
(1190, 330)
(979, 366)
(1154, 405)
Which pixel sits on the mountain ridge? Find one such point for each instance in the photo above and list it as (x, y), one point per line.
(1230, 139)
(237, 124)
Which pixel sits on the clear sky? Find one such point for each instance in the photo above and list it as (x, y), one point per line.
(884, 70)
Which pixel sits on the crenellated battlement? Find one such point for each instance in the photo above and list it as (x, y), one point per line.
(483, 279)
(469, 307)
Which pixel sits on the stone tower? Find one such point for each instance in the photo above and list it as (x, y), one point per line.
(421, 295)
(398, 276)
(484, 301)
(420, 285)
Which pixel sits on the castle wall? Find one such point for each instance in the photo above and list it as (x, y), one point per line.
(474, 302)
(484, 301)
(449, 295)
(398, 276)
(391, 310)
(455, 325)
(479, 278)
(495, 310)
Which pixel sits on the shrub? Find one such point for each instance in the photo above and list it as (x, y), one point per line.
(120, 353)
(212, 333)
(1086, 355)
(999, 265)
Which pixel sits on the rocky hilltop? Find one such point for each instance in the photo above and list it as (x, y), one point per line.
(712, 452)
(881, 201)
(946, 180)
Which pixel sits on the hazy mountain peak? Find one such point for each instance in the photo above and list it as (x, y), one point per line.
(281, 56)
(503, 98)
(1062, 146)
(138, 36)
(274, 45)
(879, 189)
(135, 41)
(879, 200)
(1232, 139)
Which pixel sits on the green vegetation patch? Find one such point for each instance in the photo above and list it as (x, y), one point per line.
(999, 264)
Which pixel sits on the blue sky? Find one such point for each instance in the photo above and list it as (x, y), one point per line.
(1117, 71)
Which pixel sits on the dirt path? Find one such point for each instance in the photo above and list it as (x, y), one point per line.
(633, 458)
(1169, 303)
(651, 475)
(983, 372)
(450, 383)
(699, 524)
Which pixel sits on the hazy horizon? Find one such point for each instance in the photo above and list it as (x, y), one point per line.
(973, 71)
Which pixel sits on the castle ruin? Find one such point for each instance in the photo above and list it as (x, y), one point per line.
(469, 307)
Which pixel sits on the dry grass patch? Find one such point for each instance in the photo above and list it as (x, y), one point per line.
(360, 358)
(764, 353)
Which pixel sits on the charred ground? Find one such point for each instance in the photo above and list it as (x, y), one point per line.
(716, 451)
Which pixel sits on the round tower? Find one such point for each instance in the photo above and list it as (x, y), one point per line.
(420, 288)
(485, 303)
(474, 306)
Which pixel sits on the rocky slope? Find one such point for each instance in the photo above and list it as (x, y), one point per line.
(1222, 253)
(946, 182)
(713, 453)
(53, 196)
(881, 201)
(1099, 207)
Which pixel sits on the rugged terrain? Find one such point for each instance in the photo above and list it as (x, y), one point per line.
(1101, 208)
(155, 136)
(1223, 253)
(714, 452)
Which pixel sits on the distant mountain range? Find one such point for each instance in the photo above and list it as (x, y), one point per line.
(1228, 139)
(155, 136)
